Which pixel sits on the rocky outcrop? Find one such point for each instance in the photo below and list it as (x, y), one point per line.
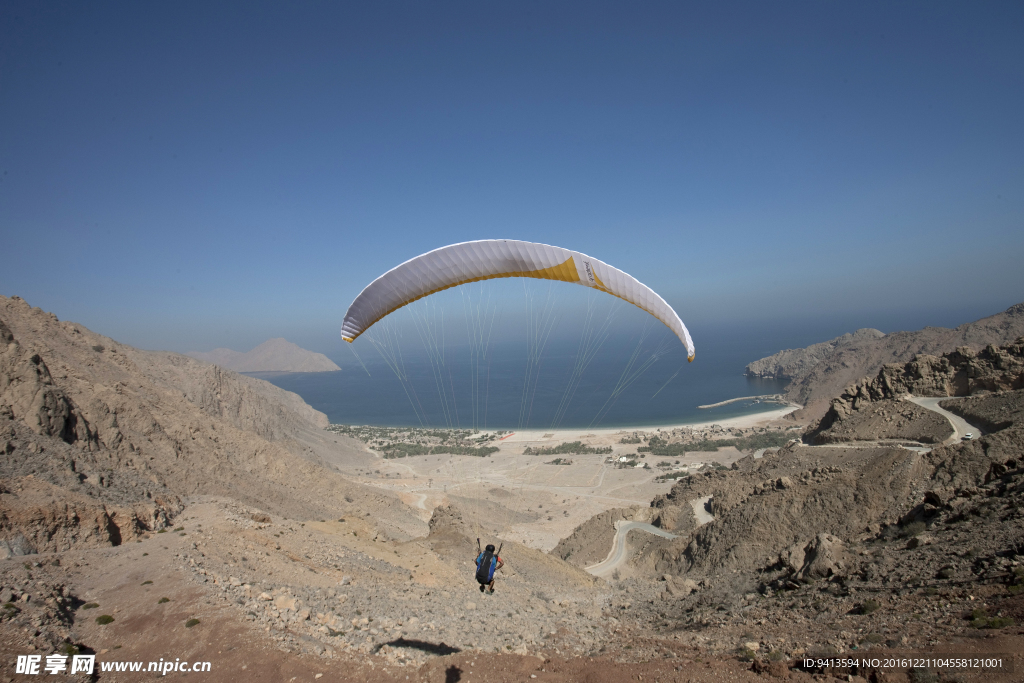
(589, 542)
(792, 363)
(993, 412)
(813, 384)
(788, 498)
(27, 393)
(886, 420)
(959, 373)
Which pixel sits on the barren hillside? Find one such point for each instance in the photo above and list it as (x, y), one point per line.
(822, 371)
(114, 417)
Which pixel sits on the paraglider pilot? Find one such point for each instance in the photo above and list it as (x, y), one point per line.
(487, 562)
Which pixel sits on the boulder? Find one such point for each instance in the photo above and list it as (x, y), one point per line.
(825, 557)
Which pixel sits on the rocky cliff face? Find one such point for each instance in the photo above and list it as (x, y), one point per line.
(960, 373)
(100, 441)
(815, 382)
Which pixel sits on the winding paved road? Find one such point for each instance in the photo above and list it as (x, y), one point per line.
(617, 555)
(960, 426)
(618, 552)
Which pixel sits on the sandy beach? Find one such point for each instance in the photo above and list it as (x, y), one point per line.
(559, 435)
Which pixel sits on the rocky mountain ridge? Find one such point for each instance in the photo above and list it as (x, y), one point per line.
(791, 363)
(822, 371)
(273, 355)
(962, 372)
(91, 429)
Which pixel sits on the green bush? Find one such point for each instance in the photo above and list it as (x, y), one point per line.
(90, 605)
(191, 622)
(104, 619)
(659, 446)
(981, 619)
(162, 601)
(569, 448)
(868, 606)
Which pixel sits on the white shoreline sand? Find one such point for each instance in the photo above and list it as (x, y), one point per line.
(739, 422)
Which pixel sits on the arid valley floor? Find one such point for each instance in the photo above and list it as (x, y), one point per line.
(157, 507)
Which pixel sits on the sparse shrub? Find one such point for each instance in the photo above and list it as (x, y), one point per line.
(945, 573)
(90, 605)
(776, 656)
(162, 531)
(873, 638)
(869, 606)
(147, 583)
(162, 601)
(981, 619)
(191, 622)
(104, 619)
(931, 590)
(180, 528)
(913, 529)
(68, 649)
(921, 675)
(570, 448)
(746, 655)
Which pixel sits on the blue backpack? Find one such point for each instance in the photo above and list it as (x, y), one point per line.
(485, 563)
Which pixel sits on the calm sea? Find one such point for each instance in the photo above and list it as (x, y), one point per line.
(509, 354)
(629, 382)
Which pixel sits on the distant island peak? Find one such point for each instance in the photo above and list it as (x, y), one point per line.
(273, 355)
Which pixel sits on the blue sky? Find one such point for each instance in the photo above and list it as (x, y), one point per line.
(185, 176)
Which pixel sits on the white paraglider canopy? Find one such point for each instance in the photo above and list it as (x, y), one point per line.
(458, 264)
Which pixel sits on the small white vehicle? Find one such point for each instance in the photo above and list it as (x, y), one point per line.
(968, 436)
